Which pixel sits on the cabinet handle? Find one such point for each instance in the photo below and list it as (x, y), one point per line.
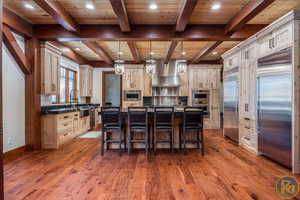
(65, 134)
(270, 44)
(247, 127)
(66, 117)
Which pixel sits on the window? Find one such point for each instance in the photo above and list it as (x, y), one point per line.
(68, 87)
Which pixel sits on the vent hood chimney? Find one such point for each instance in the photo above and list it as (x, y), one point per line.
(165, 75)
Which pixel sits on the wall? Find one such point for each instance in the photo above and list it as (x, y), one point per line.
(13, 101)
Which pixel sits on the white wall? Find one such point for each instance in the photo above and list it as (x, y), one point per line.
(13, 101)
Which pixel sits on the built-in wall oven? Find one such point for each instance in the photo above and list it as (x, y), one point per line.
(132, 95)
(200, 98)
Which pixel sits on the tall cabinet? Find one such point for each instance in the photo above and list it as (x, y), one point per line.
(86, 81)
(50, 65)
(281, 36)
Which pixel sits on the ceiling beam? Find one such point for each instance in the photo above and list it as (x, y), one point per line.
(185, 14)
(144, 32)
(99, 51)
(121, 12)
(248, 12)
(15, 50)
(206, 50)
(170, 51)
(16, 23)
(134, 51)
(53, 8)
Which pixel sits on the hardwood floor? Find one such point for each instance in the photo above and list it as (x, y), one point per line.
(77, 171)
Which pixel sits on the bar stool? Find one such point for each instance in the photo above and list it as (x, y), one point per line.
(192, 122)
(138, 123)
(163, 122)
(112, 123)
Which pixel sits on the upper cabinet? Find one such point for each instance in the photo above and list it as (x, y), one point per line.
(204, 77)
(50, 63)
(133, 78)
(86, 81)
(280, 38)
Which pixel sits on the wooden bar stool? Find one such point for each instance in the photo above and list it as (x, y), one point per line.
(138, 123)
(112, 123)
(163, 122)
(192, 122)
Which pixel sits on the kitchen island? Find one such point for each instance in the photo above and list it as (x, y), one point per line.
(178, 120)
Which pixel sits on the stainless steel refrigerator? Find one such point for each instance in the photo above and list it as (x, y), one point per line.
(274, 107)
(231, 104)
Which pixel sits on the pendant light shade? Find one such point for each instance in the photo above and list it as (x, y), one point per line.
(150, 63)
(181, 65)
(119, 64)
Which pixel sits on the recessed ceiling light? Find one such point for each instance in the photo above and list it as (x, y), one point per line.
(29, 6)
(153, 6)
(151, 53)
(66, 50)
(183, 53)
(215, 53)
(90, 6)
(120, 53)
(216, 6)
(77, 49)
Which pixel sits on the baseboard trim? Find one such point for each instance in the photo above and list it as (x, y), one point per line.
(13, 153)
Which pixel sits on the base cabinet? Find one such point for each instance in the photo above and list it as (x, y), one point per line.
(61, 128)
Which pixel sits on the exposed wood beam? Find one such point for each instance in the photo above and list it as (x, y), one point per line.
(99, 51)
(17, 23)
(53, 8)
(249, 11)
(101, 64)
(208, 62)
(134, 51)
(144, 32)
(185, 14)
(206, 50)
(170, 51)
(121, 12)
(15, 50)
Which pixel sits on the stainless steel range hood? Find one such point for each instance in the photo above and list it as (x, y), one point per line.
(165, 75)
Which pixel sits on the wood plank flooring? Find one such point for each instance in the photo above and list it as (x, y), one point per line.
(77, 171)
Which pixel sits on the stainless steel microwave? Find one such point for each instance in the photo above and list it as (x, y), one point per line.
(132, 95)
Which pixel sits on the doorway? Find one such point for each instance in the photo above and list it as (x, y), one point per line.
(112, 89)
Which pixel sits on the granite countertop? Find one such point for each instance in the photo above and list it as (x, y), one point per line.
(60, 109)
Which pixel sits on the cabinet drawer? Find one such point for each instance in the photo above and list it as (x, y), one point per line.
(65, 117)
(65, 135)
(65, 124)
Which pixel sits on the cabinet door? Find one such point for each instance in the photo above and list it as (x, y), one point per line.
(147, 84)
(90, 82)
(55, 66)
(265, 45)
(47, 73)
(283, 37)
(184, 86)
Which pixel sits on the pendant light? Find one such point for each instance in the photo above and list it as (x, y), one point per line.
(182, 63)
(119, 64)
(150, 63)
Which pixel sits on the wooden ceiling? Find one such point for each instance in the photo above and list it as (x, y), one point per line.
(125, 19)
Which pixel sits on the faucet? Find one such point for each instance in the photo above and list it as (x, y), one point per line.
(73, 98)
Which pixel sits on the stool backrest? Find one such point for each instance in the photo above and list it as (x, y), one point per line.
(138, 115)
(163, 115)
(111, 115)
(193, 116)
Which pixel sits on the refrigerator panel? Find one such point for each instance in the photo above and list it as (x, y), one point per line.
(274, 123)
(231, 113)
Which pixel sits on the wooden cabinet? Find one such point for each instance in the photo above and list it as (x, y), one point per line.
(248, 81)
(277, 40)
(184, 84)
(61, 128)
(133, 78)
(214, 119)
(50, 69)
(147, 84)
(248, 136)
(86, 81)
